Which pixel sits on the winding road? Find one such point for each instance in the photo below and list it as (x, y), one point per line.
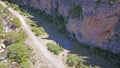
(49, 59)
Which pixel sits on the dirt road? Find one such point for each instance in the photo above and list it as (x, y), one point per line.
(49, 59)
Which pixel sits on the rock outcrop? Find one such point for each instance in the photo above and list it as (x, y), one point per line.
(95, 22)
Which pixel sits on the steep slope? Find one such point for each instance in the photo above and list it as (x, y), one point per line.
(95, 22)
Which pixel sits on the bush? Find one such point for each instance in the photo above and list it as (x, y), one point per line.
(3, 65)
(76, 12)
(1, 25)
(56, 49)
(77, 62)
(14, 6)
(72, 60)
(18, 53)
(38, 30)
(1, 7)
(33, 24)
(25, 65)
(16, 22)
(15, 37)
(6, 12)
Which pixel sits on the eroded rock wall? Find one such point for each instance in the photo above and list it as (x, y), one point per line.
(100, 25)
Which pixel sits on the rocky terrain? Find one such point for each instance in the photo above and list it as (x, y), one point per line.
(95, 22)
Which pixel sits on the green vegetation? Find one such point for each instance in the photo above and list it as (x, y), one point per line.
(16, 7)
(76, 12)
(38, 31)
(1, 7)
(15, 37)
(57, 20)
(3, 65)
(110, 56)
(77, 62)
(5, 13)
(72, 60)
(16, 22)
(55, 48)
(18, 52)
(25, 65)
(1, 25)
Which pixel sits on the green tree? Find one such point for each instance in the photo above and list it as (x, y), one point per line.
(72, 60)
(56, 49)
(6, 12)
(16, 22)
(15, 37)
(18, 52)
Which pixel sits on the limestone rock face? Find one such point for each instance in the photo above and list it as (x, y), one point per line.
(100, 26)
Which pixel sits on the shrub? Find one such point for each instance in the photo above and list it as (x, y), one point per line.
(3, 65)
(72, 60)
(1, 25)
(77, 62)
(16, 22)
(6, 12)
(76, 12)
(14, 6)
(18, 53)
(25, 65)
(38, 31)
(33, 24)
(1, 7)
(15, 37)
(56, 49)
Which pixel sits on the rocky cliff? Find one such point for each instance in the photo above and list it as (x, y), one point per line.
(95, 22)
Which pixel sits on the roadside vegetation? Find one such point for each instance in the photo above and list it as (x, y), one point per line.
(16, 22)
(57, 20)
(16, 50)
(3, 65)
(76, 61)
(55, 48)
(1, 25)
(19, 53)
(38, 31)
